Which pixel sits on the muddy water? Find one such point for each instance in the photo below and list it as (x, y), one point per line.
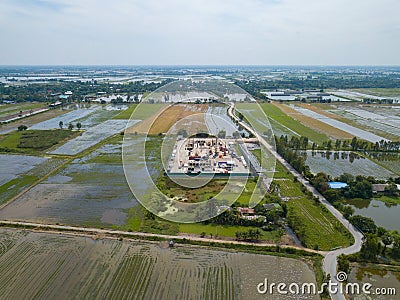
(378, 279)
(383, 214)
(53, 266)
(94, 194)
(335, 163)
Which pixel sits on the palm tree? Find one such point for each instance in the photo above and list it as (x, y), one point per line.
(79, 125)
(61, 124)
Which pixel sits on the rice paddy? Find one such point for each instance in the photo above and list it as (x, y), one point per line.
(50, 265)
(84, 192)
(91, 137)
(21, 171)
(337, 163)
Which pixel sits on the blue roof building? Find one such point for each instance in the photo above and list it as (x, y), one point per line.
(337, 185)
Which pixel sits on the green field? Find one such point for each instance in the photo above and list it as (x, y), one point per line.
(278, 115)
(225, 231)
(313, 223)
(388, 200)
(10, 109)
(281, 172)
(381, 92)
(31, 141)
(142, 111)
(15, 186)
(316, 226)
(126, 114)
(280, 122)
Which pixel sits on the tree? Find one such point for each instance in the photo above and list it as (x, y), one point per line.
(329, 145)
(236, 134)
(396, 244)
(348, 211)
(61, 124)
(354, 143)
(272, 216)
(381, 231)
(365, 224)
(362, 189)
(70, 126)
(320, 182)
(346, 177)
(337, 144)
(387, 240)
(22, 127)
(370, 248)
(392, 190)
(222, 134)
(79, 125)
(331, 195)
(343, 264)
(314, 146)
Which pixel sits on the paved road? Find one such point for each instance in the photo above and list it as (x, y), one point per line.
(330, 260)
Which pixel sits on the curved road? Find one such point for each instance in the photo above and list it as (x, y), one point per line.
(330, 260)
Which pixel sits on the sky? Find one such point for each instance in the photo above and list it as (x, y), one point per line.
(199, 32)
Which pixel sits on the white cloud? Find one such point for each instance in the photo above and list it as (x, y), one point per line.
(199, 32)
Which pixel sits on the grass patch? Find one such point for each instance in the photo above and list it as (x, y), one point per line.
(210, 190)
(34, 140)
(160, 226)
(10, 109)
(257, 154)
(106, 159)
(281, 172)
(134, 220)
(388, 200)
(225, 231)
(315, 226)
(382, 92)
(172, 189)
(278, 115)
(15, 186)
(126, 114)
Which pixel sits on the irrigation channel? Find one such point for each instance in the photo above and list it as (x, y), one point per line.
(330, 260)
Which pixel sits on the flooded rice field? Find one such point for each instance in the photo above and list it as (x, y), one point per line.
(363, 134)
(89, 191)
(382, 118)
(91, 137)
(67, 118)
(21, 171)
(86, 114)
(339, 162)
(50, 265)
(216, 119)
(14, 165)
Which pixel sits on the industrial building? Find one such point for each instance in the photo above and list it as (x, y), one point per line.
(208, 155)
